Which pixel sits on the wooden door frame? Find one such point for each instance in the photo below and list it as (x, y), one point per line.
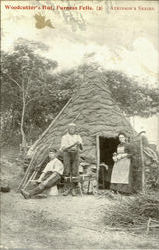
(97, 158)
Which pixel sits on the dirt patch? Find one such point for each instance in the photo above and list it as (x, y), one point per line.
(11, 167)
(60, 222)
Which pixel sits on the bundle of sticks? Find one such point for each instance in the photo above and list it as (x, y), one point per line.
(136, 212)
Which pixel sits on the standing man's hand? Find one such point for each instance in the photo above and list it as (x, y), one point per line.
(80, 145)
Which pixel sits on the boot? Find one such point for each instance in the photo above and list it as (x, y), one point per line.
(67, 189)
(35, 191)
(74, 189)
(73, 192)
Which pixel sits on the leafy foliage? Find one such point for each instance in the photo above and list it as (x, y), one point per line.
(24, 76)
(29, 76)
(130, 96)
(30, 84)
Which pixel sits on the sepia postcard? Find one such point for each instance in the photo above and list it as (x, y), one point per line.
(79, 124)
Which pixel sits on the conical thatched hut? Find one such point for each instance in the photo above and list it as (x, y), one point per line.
(98, 119)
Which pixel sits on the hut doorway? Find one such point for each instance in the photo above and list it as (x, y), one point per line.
(107, 146)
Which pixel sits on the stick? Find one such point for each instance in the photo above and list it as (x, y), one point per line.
(76, 117)
(26, 176)
(148, 225)
(142, 164)
(155, 221)
(154, 226)
(52, 123)
(103, 178)
(26, 182)
(80, 188)
(88, 186)
(23, 180)
(98, 159)
(30, 179)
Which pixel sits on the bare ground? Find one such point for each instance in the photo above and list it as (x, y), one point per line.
(61, 222)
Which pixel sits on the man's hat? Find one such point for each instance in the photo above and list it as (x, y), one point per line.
(52, 150)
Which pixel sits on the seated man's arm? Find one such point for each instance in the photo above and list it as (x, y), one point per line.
(41, 177)
(43, 174)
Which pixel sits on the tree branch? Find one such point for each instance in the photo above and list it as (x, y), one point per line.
(15, 82)
(37, 97)
(29, 79)
(32, 99)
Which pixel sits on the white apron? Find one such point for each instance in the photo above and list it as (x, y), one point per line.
(121, 169)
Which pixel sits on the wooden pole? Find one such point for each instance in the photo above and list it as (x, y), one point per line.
(142, 164)
(76, 117)
(27, 173)
(158, 131)
(98, 159)
(52, 123)
(31, 178)
(25, 178)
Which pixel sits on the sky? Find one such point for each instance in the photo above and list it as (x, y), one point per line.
(149, 125)
(125, 40)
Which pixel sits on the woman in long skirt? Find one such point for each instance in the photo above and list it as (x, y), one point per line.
(121, 178)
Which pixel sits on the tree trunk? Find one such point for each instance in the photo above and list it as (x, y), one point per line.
(142, 165)
(23, 144)
(158, 131)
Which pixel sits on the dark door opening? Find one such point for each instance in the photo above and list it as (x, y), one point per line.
(107, 147)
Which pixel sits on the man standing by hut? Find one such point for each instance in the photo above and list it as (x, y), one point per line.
(71, 144)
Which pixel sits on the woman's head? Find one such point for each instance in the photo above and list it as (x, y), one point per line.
(122, 137)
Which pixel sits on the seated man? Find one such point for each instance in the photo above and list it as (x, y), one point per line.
(50, 176)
